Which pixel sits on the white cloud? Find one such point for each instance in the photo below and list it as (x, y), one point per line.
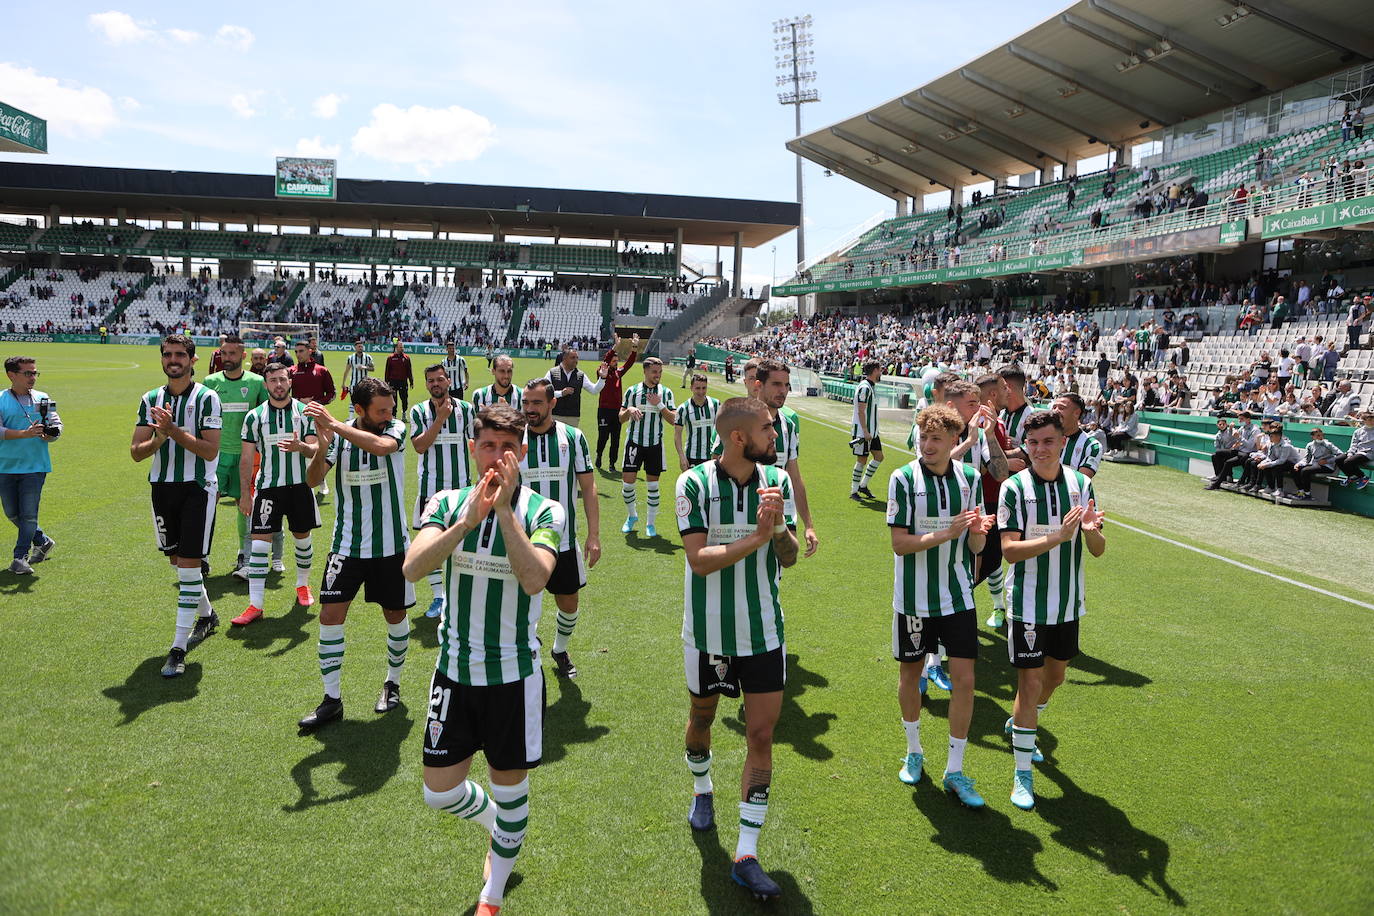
(118, 28)
(315, 148)
(184, 36)
(128, 103)
(71, 110)
(327, 106)
(242, 105)
(234, 36)
(424, 137)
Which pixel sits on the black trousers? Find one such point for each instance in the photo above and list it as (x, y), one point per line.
(1222, 461)
(607, 430)
(402, 394)
(1274, 474)
(1303, 476)
(1353, 465)
(1118, 441)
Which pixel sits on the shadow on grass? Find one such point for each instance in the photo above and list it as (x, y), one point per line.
(1098, 830)
(796, 727)
(636, 541)
(512, 883)
(10, 584)
(146, 689)
(293, 627)
(369, 751)
(1107, 674)
(565, 722)
(723, 897)
(425, 629)
(1005, 852)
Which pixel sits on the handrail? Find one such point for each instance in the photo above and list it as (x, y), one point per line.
(844, 241)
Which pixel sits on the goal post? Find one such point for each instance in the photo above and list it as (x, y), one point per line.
(263, 333)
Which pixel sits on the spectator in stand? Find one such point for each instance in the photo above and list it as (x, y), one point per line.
(1361, 452)
(1320, 457)
(1280, 457)
(1345, 405)
(1125, 428)
(1360, 311)
(1226, 446)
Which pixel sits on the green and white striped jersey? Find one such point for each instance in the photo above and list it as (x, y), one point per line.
(698, 422)
(487, 396)
(1047, 588)
(1082, 451)
(552, 461)
(788, 427)
(865, 408)
(977, 456)
(488, 631)
(733, 611)
(444, 466)
(195, 411)
(457, 371)
(369, 520)
(939, 580)
(649, 429)
(1015, 423)
(265, 426)
(357, 367)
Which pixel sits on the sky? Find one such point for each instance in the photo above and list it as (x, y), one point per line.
(656, 97)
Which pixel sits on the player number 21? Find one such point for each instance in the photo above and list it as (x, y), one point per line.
(438, 699)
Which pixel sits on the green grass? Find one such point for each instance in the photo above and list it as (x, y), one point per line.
(1209, 752)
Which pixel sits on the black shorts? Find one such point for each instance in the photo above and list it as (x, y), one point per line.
(913, 638)
(648, 458)
(504, 721)
(295, 502)
(991, 557)
(861, 447)
(693, 462)
(380, 578)
(708, 675)
(1029, 643)
(569, 575)
(184, 518)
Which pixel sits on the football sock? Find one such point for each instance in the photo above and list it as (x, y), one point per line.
(257, 571)
(700, 767)
(245, 537)
(1040, 710)
(507, 836)
(956, 754)
(751, 816)
(331, 652)
(999, 600)
(468, 801)
(397, 641)
(278, 542)
(436, 583)
(653, 503)
(869, 473)
(627, 490)
(1022, 746)
(855, 478)
(566, 620)
(305, 555)
(190, 586)
(913, 736)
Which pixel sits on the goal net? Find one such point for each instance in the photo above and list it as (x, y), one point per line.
(263, 333)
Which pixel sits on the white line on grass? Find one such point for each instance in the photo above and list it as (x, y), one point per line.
(1160, 537)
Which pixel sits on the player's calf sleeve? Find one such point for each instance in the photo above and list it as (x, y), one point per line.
(1022, 746)
(468, 801)
(508, 835)
(856, 479)
(245, 537)
(190, 588)
(653, 501)
(257, 571)
(700, 767)
(627, 490)
(567, 621)
(397, 642)
(436, 583)
(305, 556)
(331, 652)
(995, 581)
(870, 471)
(751, 816)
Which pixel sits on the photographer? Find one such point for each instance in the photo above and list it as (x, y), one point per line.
(28, 422)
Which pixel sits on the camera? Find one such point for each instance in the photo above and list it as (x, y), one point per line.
(46, 407)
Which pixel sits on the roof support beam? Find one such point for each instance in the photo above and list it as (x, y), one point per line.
(895, 157)
(973, 127)
(851, 170)
(1270, 80)
(1044, 109)
(1176, 68)
(1120, 97)
(1343, 38)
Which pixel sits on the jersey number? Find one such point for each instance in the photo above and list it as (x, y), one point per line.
(438, 703)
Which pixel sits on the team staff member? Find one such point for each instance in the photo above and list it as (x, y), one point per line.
(27, 426)
(1048, 514)
(568, 384)
(608, 404)
(239, 392)
(310, 381)
(399, 375)
(497, 543)
(738, 527)
(178, 428)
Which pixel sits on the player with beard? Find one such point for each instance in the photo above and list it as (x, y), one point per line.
(239, 392)
(440, 430)
(736, 518)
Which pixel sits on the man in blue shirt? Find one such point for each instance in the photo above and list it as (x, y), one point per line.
(28, 422)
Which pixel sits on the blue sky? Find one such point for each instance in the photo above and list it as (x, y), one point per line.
(660, 97)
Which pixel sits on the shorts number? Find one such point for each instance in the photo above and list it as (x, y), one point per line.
(438, 703)
(264, 512)
(332, 570)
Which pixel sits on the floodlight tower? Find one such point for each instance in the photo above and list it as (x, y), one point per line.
(794, 58)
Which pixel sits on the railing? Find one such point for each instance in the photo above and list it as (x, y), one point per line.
(839, 245)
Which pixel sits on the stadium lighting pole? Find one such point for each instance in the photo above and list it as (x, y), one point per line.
(794, 59)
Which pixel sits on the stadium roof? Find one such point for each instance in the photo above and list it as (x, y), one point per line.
(94, 192)
(1099, 74)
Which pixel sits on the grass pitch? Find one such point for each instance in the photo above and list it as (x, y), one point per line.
(1209, 752)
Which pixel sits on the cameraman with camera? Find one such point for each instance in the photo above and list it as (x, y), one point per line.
(28, 422)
